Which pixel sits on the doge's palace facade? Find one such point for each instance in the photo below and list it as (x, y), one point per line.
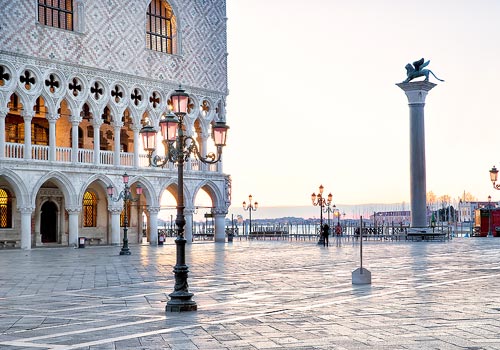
(78, 80)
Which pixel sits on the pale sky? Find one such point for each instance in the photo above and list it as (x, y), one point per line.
(312, 98)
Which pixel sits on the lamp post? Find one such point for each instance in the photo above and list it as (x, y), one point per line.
(337, 214)
(250, 207)
(178, 149)
(127, 197)
(318, 200)
(329, 209)
(489, 216)
(493, 178)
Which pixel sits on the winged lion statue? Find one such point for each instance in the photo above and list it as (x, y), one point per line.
(418, 70)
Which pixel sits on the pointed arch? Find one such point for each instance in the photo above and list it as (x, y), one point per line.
(64, 184)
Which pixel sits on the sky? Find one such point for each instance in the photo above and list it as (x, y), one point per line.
(312, 98)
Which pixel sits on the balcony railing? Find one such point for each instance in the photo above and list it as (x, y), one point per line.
(86, 156)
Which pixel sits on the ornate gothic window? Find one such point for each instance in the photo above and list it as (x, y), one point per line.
(56, 13)
(5, 209)
(161, 27)
(89, 209)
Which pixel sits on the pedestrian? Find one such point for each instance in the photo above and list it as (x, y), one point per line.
(338, 233)
(357, 233)
(325, 231)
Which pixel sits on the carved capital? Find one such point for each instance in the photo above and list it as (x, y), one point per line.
(52, 117)
(189, 211)
(27, 115)
(73, 210)
(153, 210)
(220, 211)
(416, 92)
(115, 210)
(26, 210)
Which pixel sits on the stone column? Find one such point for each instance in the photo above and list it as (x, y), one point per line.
(28, 117)
(136, 130)
(3, 114)
(203, 150)
(74, 139)
(188, 229)
(115, 224)
(220, 224)
(26, 227)
(117, 131)
(52, 118)
(73, 213)
(153, 225)
(416, 92)
(97, 143)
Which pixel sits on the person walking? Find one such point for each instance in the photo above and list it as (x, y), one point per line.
(325, 231)
(338, 234)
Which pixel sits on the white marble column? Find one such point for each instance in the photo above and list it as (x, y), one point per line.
(52, 118)
(116, 153)
(73, 214)
(115, 224)
(136, 145)
(153, 225)
(188, 228)
(26, 227)
(3, 114)
(416, 92)
(97, 142)
(28, 117)
(220, 224)
(74, 139)
(203, 150)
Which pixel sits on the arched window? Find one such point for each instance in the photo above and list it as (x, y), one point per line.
(161, 27)
(5, 209)
(89, 209)
(56, 13)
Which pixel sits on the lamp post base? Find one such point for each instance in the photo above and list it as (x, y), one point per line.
(181, 301)
(125, 252)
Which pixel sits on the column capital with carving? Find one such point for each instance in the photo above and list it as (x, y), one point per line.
(73, 209)
(153, 210)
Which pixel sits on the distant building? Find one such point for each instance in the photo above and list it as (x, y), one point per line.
(391, 217)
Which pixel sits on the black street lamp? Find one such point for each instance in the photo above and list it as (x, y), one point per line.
(178, 149)
(321, 202)
(250, 207)
(126, 195)
(489, 216)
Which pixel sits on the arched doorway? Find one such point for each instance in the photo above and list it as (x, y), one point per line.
(48, 222)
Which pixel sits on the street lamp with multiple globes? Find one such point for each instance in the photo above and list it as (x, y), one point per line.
(127, 197)
(318, 200)
(178, 149)
(250, 207)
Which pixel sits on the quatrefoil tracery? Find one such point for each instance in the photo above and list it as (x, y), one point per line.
(27, 79)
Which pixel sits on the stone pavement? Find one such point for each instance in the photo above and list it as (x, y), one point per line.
(255, 295)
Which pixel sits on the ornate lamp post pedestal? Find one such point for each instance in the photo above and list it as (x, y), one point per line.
(178, 149)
